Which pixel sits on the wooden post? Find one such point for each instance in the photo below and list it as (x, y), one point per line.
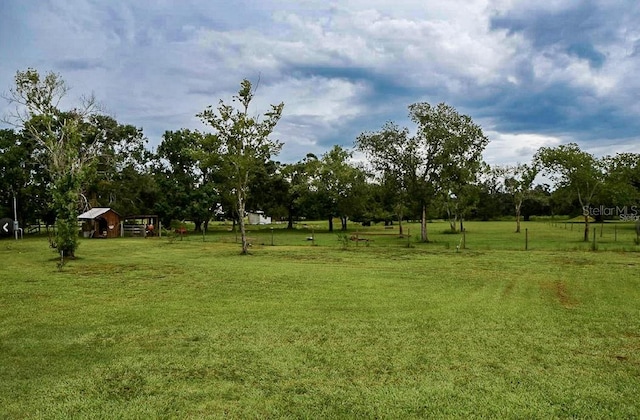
(464, 238)
(601, 228)
(615, 233)
(526, 239)
(593, 246)
(271, 236)
(159, 228)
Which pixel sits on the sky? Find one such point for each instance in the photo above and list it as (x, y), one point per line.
(531, 73)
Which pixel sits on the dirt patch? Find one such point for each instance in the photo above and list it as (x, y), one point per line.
(560, 292)
(508, 289)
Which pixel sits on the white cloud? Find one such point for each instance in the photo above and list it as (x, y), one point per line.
(505, 148)
(155, 64)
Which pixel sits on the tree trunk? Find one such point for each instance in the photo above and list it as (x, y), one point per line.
(243, 232)
(423, 225)
(198, 226)
(400, 212)
(343, 222)
(586, 228)
(461, 224)
(517, 218)
(290, 218)
(330, 223)
(452, 220)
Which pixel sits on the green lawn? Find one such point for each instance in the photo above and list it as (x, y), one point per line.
(140, 328)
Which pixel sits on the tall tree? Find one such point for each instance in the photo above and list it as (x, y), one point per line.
(622, 182)
(518, 181)
(302, 198)
(447, 145)
(189, 193)
(59, 134)
(339, 185)
(386, 151)
(574, 169)
(240, 145)
(119, 177)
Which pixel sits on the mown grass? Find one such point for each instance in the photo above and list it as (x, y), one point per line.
(556, 235)
(140, 328)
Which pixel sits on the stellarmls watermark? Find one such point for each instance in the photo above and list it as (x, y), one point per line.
(625, 213)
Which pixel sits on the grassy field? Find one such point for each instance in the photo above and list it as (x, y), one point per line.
(187, 328)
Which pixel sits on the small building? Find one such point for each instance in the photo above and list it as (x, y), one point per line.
(100, 222)
(141, 225)
(258, 218)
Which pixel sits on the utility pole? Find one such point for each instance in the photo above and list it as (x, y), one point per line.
(15, 216)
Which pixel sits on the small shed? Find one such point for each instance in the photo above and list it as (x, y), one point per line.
(258, 218)
(100, 222)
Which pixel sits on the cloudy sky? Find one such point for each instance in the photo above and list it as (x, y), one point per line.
(531, 73)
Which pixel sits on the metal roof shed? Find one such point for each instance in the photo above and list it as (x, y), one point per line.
(100, 222)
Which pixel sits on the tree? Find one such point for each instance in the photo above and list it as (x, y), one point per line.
(59, 134)
(518, 181)
(386, 151)
(578, 171)
(622, 181)
(239, 145)
(119, 176)
(446, 150)
(189, 191)
(339, 185)
(303, 196)
(23, 176)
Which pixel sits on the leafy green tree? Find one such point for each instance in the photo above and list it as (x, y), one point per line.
(458, 203)
(518, 181)
(188, 190)
(269, 191)
(621, 186)
(575, 170)
(300, 192)
(387, 152)
(59, 135)
(15, 156)
(239, 145)
(339, 185)
(446, 151)
(119, 176)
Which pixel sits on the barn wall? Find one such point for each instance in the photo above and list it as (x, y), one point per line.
(112, 220)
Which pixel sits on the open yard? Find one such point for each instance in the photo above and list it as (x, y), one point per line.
(171, 327)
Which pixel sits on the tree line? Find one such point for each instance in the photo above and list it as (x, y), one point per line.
(58, 162)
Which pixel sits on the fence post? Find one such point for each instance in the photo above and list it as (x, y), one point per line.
(464, 238)
(615, 233)
(601, 228)
(593, 246)
(526, 239)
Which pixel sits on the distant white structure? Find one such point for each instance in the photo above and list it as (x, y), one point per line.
(258, 218)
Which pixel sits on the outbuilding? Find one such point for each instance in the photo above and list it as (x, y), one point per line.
(258, 218)
(100, 222)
